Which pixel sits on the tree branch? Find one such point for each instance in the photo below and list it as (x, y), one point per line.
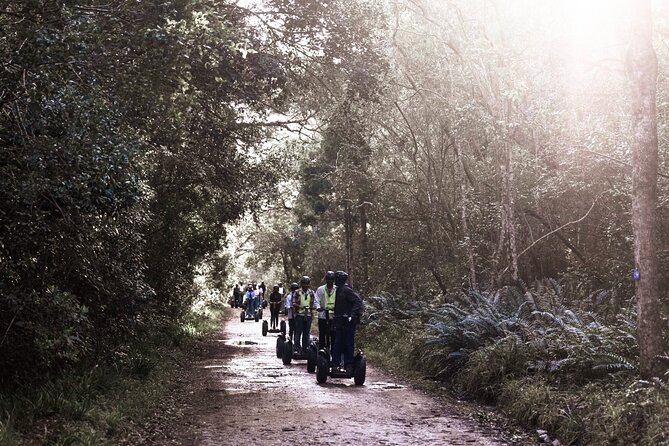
(558, 229)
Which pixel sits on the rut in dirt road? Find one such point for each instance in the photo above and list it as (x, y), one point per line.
(239, 393)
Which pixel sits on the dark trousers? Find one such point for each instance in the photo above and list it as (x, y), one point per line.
(324, 330)
(274, 317)
(343, 343)
(302, 331)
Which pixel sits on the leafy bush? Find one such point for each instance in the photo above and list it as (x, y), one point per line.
(93, 405)
(392, 330)
(488, 368)
(48, 329)
(567, 371)
(584, 348)
(618, 411)
(530, 400)
(458, 329)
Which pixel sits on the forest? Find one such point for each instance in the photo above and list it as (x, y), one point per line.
(491, 173)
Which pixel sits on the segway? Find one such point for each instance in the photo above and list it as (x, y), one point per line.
(323, 369)
(266, 329)
(247, 314)
(309, 352)
(288, 355)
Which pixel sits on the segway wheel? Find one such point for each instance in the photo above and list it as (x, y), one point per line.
(279, 345)
(264, 328)
(241, 316)
(322, 366)
(283, 327)
(311, 359)
(255, 317)
(287, 353)
(359, 370)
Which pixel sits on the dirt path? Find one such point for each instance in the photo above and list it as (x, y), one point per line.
(239, 393)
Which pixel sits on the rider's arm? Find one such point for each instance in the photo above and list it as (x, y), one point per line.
(356, 305)
(318, 298)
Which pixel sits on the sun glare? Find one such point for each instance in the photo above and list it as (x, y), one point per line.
(593, 27)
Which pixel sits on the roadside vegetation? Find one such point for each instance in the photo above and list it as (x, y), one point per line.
(538, 354)
(101, 403)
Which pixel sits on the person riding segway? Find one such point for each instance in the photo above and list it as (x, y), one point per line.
(347, 312)
(303, 304)
(236, 297)
(282, 339)
(325, 302)
(249, 310)
(299, 346)
(274, 307)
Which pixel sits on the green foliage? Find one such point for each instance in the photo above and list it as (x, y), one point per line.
(390, 333)
(98, 405)
(620, 411)
(583, 348)
(393, 344)
(131, 134)
(488, 368)
(569, 372)
(470, 325)
(531, 401)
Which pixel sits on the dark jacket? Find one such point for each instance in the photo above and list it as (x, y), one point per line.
(347, 303)
(275, 299)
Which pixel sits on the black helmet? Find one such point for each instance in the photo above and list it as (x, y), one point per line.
(276, 288)
(341, 277)
(305, 280)
(294, 286)
(329, 276)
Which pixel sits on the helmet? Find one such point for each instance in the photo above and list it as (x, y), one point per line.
(305, 280)
(330, 276)
(276, 288)
(294, 286)
(341, 277)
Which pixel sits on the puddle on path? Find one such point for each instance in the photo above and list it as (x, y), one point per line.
(232, 390)
(237, 342)
(384, 386)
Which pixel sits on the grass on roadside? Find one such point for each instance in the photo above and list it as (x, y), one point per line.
(100, 405)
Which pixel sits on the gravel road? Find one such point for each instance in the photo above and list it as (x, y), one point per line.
(237, 392)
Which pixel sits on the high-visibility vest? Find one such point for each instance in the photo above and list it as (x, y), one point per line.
(305, 301)
(329, 299)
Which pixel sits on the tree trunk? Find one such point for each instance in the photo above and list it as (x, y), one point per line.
(494, 279)
(642, 71)
(286, 266)
(348, 232)
(364, 247)
(511, 223)
(468, 241)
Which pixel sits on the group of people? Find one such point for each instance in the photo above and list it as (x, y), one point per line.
(339, 309)
(251, 298)
(338, 306)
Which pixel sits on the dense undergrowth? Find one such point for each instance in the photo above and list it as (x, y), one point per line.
(534, 354)
(99, 404)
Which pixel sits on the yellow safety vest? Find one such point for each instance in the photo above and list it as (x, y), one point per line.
(305, 301)
(329, 298)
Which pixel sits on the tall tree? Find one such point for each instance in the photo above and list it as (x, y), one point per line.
(642, 70)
